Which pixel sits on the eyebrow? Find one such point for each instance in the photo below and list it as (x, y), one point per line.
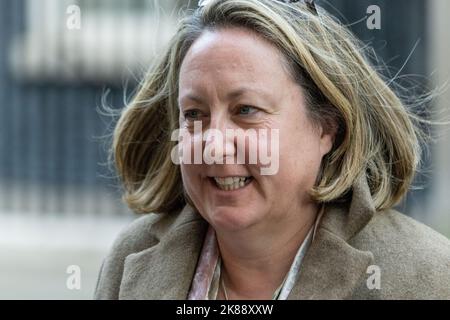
(231, 95)
(239, 92)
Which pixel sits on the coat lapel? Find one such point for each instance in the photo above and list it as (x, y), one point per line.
(165, 271)
(332, 268)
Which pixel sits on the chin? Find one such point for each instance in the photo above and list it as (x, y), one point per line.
(233, 218)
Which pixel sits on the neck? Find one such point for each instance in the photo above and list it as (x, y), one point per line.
(255, 261)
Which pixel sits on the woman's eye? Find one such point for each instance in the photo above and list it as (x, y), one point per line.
(192, 114)
(246, 110)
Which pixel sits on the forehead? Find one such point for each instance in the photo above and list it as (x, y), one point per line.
(233, 53)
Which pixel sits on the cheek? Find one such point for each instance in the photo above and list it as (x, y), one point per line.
(190, 146)
(300, 155)
(189, 174)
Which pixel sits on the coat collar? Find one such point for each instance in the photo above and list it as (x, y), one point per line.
(331, 269)
(165, 271)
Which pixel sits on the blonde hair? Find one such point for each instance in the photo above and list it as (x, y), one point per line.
(376, 134)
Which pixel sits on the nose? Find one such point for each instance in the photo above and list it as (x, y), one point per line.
(220, 141)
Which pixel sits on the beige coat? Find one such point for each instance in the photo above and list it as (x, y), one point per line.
(156, 256)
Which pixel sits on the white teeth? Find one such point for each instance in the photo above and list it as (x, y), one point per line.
(230, 183)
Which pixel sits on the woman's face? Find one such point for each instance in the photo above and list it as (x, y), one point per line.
(232, 79)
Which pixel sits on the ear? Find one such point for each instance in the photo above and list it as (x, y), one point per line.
(328, 131)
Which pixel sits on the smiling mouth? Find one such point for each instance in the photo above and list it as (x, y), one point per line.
(231, 183)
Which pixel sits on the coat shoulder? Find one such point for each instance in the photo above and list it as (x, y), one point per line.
(141, 234)
(400, 228)
(413, 259)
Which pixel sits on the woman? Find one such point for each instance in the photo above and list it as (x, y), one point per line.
(321, 225)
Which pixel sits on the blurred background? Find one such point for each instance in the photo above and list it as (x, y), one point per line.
(61, 60)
